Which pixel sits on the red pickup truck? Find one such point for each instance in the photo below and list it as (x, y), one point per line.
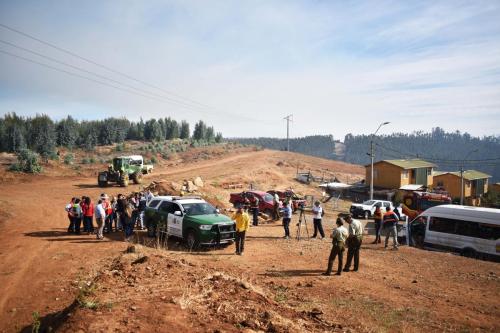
(289, 194)
(266, 202)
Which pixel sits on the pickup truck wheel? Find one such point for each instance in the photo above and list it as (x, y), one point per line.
(269, 213)
(102, 183)
(191, 240)
(366, 214)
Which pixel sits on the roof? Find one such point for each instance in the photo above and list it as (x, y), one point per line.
(488, 215)
(411, 187)
(468, 174)
(409, 164)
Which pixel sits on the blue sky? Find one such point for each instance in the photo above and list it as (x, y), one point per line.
(338, 66)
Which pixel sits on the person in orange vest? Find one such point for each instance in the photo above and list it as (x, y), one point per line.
(377, 217)
(390, 228)
(88, 215)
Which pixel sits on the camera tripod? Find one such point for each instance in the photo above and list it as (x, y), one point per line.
(302, 219)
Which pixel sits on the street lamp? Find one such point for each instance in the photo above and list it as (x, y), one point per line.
(372, 157)
(462, 176)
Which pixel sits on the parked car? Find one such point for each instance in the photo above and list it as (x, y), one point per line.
(189, 218)
(367, 208)
(471, 231)
(266, 200)
(289, 194)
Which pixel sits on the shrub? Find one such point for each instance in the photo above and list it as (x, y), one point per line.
(92, 160)
(165, 156)
(27, 161)
(53, 156)
(120, 147)
(154, 160)
(85, 160)
(68, 159)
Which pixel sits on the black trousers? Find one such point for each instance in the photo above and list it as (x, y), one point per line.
(239, 239)
(378, 226)
(256, 216)
(286, 226)
(337, 250)
(318, 226)
(353, 246)
(77, 222)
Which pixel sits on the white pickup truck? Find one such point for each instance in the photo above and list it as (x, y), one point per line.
(367, 208)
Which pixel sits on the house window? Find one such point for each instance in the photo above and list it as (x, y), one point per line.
(440, 183)
(429, 172)
(405, 174)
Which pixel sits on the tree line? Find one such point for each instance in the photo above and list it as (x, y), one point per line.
(42, 135)
(315, 145)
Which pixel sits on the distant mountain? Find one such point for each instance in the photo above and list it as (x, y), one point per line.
(447, 150)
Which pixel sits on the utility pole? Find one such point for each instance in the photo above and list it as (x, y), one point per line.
(288, 120)
(373, 157)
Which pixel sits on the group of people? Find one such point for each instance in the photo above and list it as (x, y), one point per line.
(386, 223)
(126, 213)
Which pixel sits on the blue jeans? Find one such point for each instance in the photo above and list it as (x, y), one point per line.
(129, 229)
(286, 226)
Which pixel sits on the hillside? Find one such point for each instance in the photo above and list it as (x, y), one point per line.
(74, 283)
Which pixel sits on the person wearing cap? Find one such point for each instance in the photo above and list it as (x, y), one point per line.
(353, 243)
(339, 236)
(318, 215)
(242, 221)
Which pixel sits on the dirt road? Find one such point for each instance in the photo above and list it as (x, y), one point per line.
(41, 265)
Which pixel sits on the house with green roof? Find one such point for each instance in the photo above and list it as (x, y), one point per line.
(392, 174)
(475, 184)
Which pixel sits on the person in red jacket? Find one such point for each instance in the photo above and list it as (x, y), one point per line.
(88, 215)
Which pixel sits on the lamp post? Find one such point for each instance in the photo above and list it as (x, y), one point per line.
(462, 176)
(372, 157)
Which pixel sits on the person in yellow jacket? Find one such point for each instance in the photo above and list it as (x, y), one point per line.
(242, 224)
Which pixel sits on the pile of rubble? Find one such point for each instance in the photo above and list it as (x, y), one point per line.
(174, 188)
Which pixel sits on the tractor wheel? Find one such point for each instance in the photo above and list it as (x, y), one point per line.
(137, 178)
(124, 180)
(102, 183)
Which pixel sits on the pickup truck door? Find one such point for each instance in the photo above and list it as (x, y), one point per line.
(174, 221)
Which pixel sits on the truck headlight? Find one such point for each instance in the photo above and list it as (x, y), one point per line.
(206, 227)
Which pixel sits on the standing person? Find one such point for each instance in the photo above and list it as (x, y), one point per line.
(339, 236)
(318, 215)
(396, 211)
(255, 212)
(69, 210)
(276, 201)
(106, 204)
(149, 196)
(100, 216)
(88, 215)
(287, 217)
(128, 222)
(82, 203)
(377, 217)
(242, 224)
(390, 228)
(114, 203)
(142, 207)
(120, 210)
(77, 215)
(354, 241)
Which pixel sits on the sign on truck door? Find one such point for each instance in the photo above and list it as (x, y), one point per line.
(174, 221)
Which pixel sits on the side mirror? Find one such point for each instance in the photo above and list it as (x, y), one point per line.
(178, 213)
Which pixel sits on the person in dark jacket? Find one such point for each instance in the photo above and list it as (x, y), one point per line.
(390, 228)
(377, 217)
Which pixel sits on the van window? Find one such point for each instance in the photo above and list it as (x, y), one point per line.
(440, 224)
(489, 231)
(469, 229)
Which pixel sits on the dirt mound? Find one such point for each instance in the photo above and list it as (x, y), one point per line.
(152, 291)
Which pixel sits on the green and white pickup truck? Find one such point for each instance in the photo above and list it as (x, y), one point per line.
(189, 218)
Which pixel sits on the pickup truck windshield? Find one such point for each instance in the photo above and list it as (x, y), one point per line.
(201, 208)
(369, 202)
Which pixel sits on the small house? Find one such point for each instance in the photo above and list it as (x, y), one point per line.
(393, 174)
(475, 184)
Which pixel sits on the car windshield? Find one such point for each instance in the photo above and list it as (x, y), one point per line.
(268, 197)
(369, 202)
(199, 208)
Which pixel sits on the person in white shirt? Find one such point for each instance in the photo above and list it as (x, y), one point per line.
(353, 243)
(100, 216)
(318, 215)
(339, 237)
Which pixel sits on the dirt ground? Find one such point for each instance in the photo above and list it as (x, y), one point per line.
(74, 283)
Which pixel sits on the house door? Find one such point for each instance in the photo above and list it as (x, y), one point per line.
(421, 176)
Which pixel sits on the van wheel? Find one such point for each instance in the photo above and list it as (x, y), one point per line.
(469, 253)
(191, 241)
(367, 215)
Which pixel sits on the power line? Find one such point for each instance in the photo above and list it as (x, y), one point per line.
(181, 102)
(93, 73)
(98, 64)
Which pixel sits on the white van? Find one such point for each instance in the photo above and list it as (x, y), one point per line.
(470, 231)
